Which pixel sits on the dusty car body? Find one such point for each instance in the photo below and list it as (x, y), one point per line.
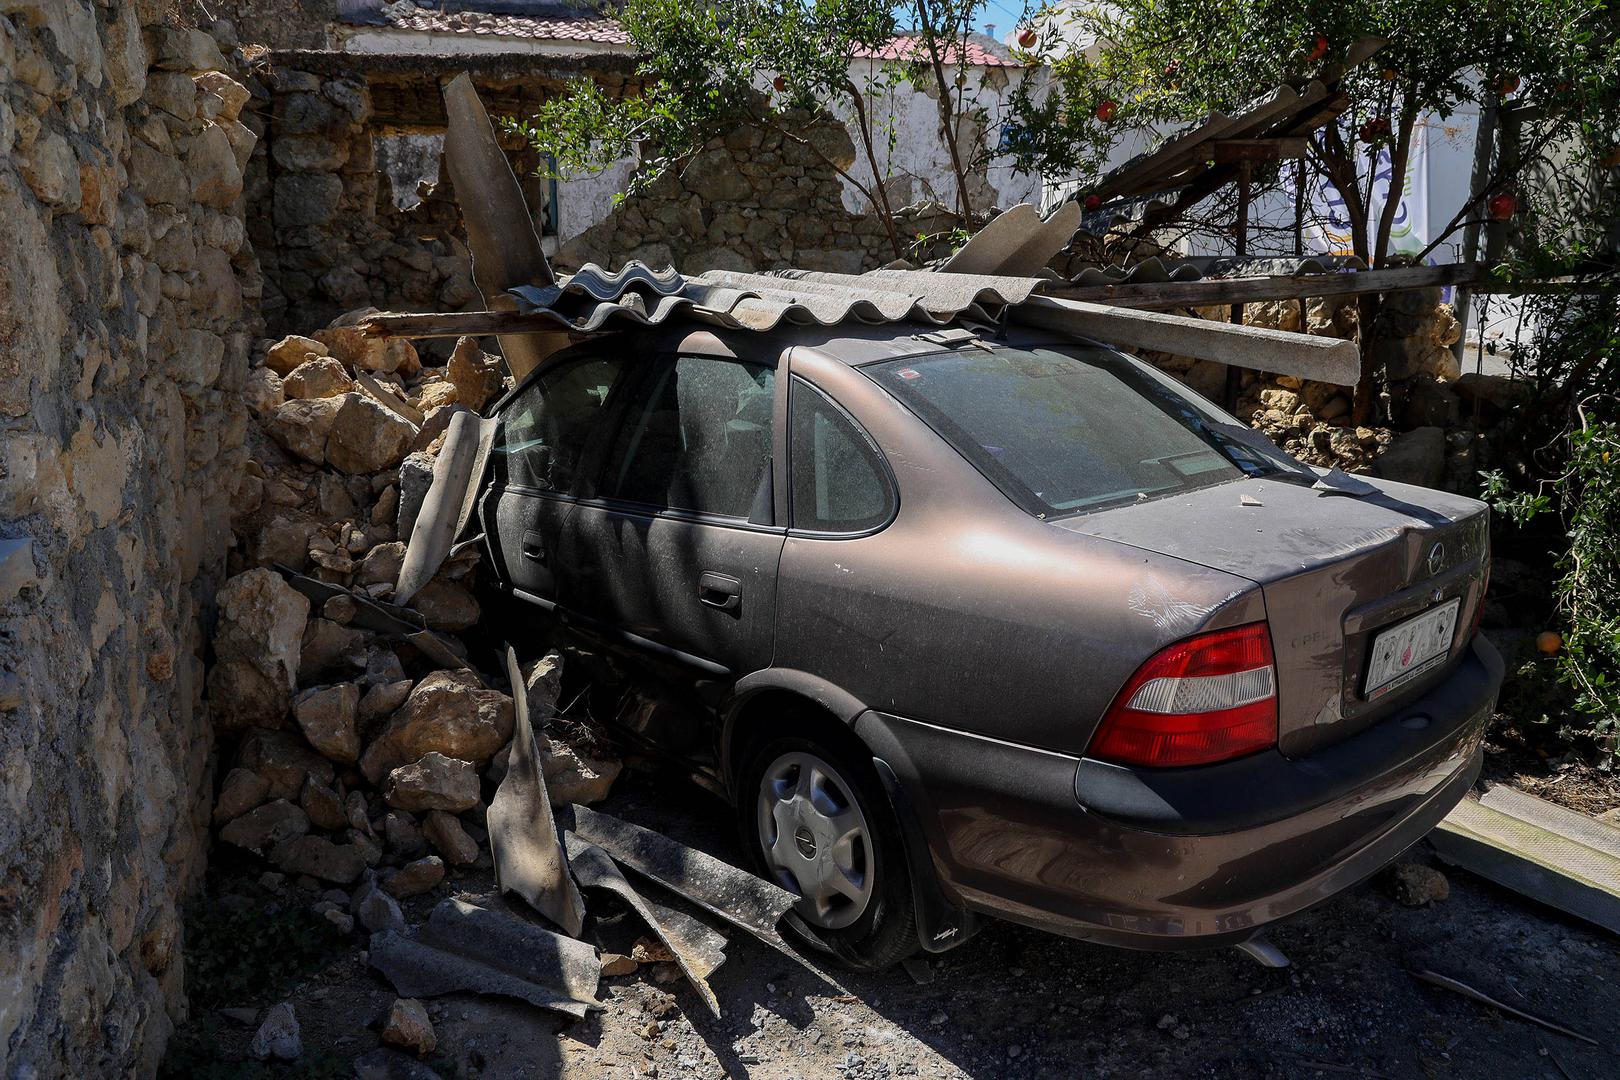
(967, 650)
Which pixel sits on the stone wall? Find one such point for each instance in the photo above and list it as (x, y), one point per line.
(127, 294)
(330, 237)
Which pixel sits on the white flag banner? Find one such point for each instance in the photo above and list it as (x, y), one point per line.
(1328, 221)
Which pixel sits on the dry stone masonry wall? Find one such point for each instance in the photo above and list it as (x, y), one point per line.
(127, 300)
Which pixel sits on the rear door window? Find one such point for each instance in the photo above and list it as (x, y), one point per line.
(545, 428)
(697, 436)
(1062, 432)
(839, 481)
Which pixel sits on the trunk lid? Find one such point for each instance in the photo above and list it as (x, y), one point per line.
(1334, 570)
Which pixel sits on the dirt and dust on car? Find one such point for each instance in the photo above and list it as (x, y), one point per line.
(425, 536)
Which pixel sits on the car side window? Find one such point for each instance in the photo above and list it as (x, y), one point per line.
(839, 482)
(546, 426)
(697, 436)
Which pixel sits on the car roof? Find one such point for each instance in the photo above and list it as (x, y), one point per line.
(854, 344)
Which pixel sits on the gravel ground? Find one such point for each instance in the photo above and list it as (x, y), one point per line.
(1014, 1002)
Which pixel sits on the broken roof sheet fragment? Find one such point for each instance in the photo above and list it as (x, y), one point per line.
(1016, 242)
(464, 947)
(738, 897)
(529, 858)
(698, 950)
(440, 516)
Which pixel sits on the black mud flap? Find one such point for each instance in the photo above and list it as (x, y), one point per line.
(941, 924)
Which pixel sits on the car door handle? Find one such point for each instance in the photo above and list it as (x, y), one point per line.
(719, 590)
(533, 546)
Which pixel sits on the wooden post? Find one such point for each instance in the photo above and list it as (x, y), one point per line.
(1234, 377)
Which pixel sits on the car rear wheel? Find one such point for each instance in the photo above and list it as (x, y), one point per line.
(818, 824)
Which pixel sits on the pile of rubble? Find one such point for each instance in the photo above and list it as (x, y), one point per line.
(361, 743)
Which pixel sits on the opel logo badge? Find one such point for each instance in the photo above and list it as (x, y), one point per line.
(1437, 558)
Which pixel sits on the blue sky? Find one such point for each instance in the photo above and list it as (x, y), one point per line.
(1002, 14)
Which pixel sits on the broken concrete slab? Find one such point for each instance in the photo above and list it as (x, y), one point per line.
(740, 898)
(523, 840)
(1553, 855)
(468, 948)
(697, 949)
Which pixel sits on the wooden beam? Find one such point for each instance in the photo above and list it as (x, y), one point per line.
(450, 324)
(1283, 352)
(1275, 149)
(1168, 295)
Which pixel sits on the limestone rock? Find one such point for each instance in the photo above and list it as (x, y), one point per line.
(449, 839)
(1415, 884)
(301, 426)
(241, 791)
(323, 807)
(331, 650)
(232, 94)
(382, 699)
(340, 863)
(283, 760)
(367, 436)
(262, 390)
(291, 351)
(405, 840)
(407, 1025)
(415, 477)
(216, 179)
(320, 377)
(433, 782)
(446, 605)
(475, 374)
(381, 564)
(353, 347)
(414, 879)
(376, 910)
(326, 715)
(573, 778)
(256, 645)
(448, 712)
(278, 1036)
(1414, 457)
(269, 825)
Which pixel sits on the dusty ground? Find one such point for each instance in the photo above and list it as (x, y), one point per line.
(1009, 1003)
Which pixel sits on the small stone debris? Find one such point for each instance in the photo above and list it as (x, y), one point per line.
(407, 1026)
(376, 910)
(617, 964)
(278, 1037)
(414, 878)
(386, 1064)
(1416, 885)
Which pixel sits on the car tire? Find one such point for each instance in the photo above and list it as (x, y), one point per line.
(840, 776)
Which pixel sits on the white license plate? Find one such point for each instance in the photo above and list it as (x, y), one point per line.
(1405, 651)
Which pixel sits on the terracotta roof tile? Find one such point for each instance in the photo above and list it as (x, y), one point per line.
(584, 28)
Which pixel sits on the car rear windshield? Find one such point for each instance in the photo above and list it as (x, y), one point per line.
(1063, 431)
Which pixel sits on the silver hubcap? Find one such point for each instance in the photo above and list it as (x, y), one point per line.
(815, 839)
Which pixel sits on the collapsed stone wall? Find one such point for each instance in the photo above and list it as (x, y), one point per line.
(1436, 412)
(127, 294)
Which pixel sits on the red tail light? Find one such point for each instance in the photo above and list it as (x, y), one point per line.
(1209, 698)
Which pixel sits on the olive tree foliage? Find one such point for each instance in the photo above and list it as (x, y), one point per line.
(1159, 63)
(1165, 62)
(712, 66)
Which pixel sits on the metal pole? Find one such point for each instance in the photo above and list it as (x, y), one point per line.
(1234, 377)
(1462, 296)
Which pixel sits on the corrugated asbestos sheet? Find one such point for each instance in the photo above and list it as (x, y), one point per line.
(636, 293)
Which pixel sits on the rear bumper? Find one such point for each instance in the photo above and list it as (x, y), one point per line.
(1184, 858)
